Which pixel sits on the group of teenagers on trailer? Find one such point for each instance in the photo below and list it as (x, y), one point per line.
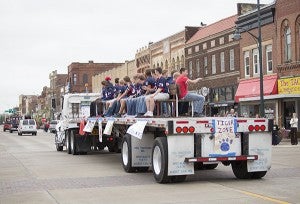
(153, 94)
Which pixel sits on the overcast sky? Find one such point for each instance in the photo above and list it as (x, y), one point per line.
(40, 36)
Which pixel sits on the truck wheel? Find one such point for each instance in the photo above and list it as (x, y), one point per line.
(177, 179)
(141, 169)
(59, 148)
(73, 143)
(67, 141)
(160, 160)
(10, 131)
(240, 171)
(259, 174)
(127, 154)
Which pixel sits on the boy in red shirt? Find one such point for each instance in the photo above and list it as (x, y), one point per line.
(198, 100)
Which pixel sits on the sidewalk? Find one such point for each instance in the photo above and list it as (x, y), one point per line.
(287, 142)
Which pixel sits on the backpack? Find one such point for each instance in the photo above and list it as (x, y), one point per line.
(174, 90)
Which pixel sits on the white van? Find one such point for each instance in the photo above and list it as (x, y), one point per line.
(27, 126)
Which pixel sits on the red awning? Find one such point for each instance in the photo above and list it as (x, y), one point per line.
(251, 87)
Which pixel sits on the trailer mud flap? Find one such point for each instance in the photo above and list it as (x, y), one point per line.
(141, 150)
(179, 148)
(260, 143)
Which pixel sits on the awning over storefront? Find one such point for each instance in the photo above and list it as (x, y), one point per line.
(251, 87)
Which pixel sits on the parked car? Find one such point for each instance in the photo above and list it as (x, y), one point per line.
(6, 126)
(52, 126)
(27, 126)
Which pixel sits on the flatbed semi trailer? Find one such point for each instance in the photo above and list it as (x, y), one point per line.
(174, 147)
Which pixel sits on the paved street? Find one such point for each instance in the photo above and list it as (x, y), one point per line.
(32, 171)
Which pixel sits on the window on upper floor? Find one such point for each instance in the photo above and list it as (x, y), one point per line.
(222, 60)
(247, 63)
(189, 51)
(298, 38)
(191, 69)
(221, 40)
(286, 41)
(204, 46)
(74, 79)
(198, 67)
(231, 60)
(197, 48)
(287, 44)
(212, 43)
(213, 64)
(269, 60)
(255, 63)
(205, 66)
(230, 38)
(85, 78)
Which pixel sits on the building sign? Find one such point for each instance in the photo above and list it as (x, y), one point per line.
(289, 86)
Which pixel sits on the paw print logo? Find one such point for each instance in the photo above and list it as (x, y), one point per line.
(225, 144)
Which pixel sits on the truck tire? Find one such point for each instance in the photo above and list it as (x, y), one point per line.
(160, 160)
(240, 171)
(177, 179)
(10, 131)
(73, 143)
(67, 141)
(258, 174)
(59, 148)
(127, 154)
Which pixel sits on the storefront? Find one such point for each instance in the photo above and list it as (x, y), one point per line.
(281, 99)
(248, 92)
(289, 89)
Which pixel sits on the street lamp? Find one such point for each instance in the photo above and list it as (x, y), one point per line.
(237, 36)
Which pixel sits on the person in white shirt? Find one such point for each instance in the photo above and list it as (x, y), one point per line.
(294, 128)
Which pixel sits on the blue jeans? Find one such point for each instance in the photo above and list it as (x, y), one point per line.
(198, 101)
(141, 105)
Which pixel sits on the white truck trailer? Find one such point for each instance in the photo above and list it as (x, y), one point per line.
(171, 147)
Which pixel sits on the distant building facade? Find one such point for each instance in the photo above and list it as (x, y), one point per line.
(80, 75)
(212, 55)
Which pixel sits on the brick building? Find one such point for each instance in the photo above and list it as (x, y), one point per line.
(126, 69)
(280, 61)
(80, 75)
(287, 22)
(249, 83)
(212, 55)
(55, 93)
(167, 53)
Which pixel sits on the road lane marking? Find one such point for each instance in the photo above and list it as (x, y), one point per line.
(263, 197)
